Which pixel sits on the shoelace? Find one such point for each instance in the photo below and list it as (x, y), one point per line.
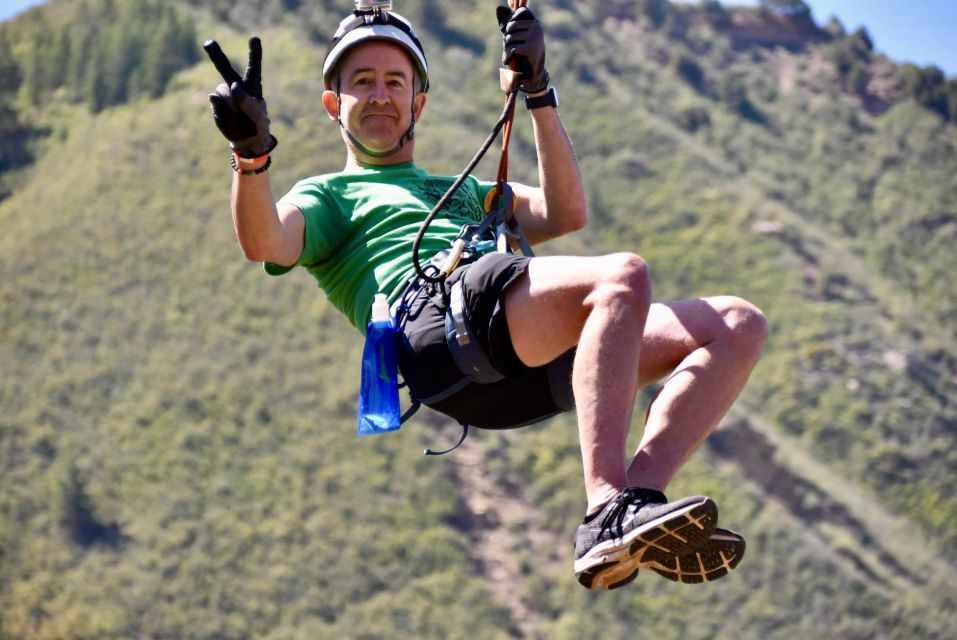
(615, 518)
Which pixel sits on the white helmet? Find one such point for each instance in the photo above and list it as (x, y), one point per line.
(377, 24)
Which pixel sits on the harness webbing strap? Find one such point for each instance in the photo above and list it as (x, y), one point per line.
(467, 354)
(465, 433)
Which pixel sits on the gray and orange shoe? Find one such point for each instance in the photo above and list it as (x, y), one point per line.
(640, 528)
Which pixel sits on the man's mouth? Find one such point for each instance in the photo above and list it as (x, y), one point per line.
(379, 114)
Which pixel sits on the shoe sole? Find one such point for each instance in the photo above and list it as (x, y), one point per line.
(722, 553)
(716, 559)
(680, 533)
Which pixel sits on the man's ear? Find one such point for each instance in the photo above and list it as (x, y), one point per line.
(418, 104)
(331, 102)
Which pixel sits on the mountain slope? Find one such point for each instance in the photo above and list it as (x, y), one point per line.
(177, 432)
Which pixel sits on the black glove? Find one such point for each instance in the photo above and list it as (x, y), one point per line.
(238, 106)
(525, 46)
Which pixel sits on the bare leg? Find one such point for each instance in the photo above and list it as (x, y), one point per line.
(710, 347)
(600, 305)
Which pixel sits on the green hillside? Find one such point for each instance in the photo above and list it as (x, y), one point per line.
(178, 456)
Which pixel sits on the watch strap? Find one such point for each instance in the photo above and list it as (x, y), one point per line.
(548, 99)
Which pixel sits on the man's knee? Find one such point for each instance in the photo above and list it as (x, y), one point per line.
(628, 278)
(747, 326)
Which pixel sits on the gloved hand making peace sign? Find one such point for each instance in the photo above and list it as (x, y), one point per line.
(238, 106)
(525, 46)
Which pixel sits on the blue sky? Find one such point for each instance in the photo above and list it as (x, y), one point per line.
(918, 31)
(10, 8)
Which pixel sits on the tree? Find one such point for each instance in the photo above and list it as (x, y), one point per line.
(734, 95)
(101, 58)
(715, 12)
(857, 78)
(850, 52)
(863, 38)
(835, 28)
(654, 10)
(77, 513)
(10, 73)
(951, 91)
(689, 69)
(928, 87)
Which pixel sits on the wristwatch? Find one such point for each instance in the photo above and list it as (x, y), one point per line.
(550, 99)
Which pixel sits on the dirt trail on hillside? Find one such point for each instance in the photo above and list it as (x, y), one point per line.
(505, 523)
(832, 508)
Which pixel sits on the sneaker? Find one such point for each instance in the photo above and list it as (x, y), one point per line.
(714, 560)
(640, 527)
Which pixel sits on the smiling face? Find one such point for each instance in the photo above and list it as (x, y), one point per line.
(376, 100)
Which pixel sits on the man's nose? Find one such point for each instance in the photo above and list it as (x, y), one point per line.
(380, 94)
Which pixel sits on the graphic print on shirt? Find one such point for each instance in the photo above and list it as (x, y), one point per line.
(462, 204)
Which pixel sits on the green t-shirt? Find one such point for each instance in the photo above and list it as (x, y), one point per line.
(360, 226)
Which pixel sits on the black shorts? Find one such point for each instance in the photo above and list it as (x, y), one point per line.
(526, 395)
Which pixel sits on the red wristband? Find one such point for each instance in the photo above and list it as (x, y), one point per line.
(234, 162)
(242, 160)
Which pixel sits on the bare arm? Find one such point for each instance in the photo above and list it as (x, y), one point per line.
(266, 233)
(558, 206)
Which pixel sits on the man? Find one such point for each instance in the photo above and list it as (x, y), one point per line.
(564, 332)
